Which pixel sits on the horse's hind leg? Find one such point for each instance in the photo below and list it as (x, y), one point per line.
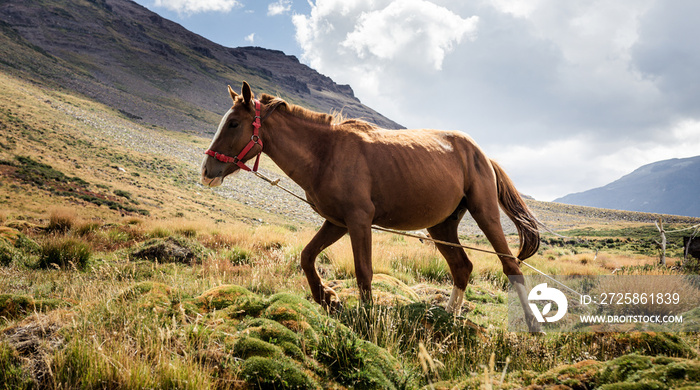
(325, 237)
(483, 206)
(460, 266)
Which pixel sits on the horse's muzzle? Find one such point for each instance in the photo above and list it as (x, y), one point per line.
(212, 182)
(210, 176)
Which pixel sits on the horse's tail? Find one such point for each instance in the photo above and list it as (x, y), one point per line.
(517, 211)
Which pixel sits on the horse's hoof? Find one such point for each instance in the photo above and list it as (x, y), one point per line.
(536, 330)
(337, 306)
(333, 306)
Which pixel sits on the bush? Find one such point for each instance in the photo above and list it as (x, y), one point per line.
(123, 194)
(65, 253)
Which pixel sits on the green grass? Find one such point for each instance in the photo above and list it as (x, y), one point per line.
(634, 239)
(56, 182)
(12, 373)
(241, 314)
(42, 174)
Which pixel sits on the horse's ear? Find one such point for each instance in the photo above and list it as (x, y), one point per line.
(233, 94)
(247, 93)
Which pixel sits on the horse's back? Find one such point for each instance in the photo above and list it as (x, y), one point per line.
(425, 152)
(415, 178)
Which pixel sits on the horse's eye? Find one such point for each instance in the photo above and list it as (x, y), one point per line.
(233, 124)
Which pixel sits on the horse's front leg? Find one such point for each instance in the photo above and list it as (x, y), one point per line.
(325, 237)
(360, 230)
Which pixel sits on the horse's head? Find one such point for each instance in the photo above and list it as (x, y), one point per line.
(226, 153)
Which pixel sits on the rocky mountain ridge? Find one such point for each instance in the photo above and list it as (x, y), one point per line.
(152, 69)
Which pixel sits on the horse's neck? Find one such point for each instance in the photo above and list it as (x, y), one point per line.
(292, 143)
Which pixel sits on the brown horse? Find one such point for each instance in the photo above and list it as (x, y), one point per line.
(357, 175)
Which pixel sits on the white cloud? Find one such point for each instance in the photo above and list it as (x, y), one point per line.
(279, 8)
(188, 7)
(592, 88)
(250, 38)
(412, 33)
(409, 30)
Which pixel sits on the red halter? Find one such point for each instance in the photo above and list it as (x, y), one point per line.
(254, 140)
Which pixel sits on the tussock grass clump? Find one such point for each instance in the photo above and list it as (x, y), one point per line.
(159, 232)
(87, 228)
(189, 232)
(61, 221)
(64, 252)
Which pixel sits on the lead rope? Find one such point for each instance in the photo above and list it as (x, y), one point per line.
(275, 183)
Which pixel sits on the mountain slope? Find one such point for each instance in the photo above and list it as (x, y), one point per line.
(151, 69)
(669, 187)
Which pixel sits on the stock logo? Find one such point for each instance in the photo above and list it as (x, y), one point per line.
(543, 293)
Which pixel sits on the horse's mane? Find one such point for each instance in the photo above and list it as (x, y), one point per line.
(337, 118)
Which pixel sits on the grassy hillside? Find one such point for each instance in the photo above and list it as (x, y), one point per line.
(118, 270)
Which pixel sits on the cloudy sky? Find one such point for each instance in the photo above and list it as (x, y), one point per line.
(567, 95)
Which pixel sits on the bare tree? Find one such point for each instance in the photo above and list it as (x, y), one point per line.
(687, 244)
(662, 244)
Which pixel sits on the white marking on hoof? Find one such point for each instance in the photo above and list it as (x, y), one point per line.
(454, 305)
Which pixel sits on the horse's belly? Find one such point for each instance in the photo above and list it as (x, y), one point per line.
(416, 210)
